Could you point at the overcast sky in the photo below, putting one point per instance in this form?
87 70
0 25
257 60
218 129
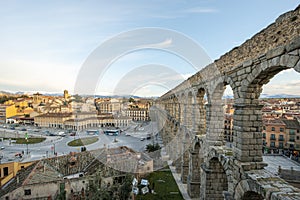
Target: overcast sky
49 46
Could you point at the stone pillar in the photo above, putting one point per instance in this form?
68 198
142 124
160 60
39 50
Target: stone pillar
214 124
193 181
213 180
185 166
185 160
179 151
247 140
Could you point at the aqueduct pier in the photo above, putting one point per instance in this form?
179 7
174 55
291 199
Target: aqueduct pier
193 131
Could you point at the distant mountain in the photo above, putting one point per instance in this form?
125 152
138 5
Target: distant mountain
5 92
276 96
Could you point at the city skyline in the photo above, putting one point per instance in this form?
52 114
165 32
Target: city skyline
45 45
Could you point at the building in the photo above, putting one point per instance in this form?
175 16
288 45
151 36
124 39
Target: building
66 94
7 111
74 176
293 134
80 120
228 128
274 134
109 105
138 114
52 120
10 170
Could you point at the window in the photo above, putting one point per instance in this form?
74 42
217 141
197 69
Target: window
281 138
264 143
280 145
264 135
273 137
27 192
272 144
281 129
297 137
273 128
292 132
5 171
264 128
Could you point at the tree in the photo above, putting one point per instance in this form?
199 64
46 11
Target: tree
131 100
152 147
125 188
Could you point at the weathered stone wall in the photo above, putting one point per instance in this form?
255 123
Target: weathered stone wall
282 31
246 69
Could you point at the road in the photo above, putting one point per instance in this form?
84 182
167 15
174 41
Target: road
131 138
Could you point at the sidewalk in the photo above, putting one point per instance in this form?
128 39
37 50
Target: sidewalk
182 187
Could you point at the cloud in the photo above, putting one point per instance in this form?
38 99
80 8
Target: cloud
161 45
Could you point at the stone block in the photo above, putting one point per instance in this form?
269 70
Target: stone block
274 61
295 44
292 60
275 52
297 67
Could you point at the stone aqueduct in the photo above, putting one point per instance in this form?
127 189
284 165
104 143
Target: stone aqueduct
193 131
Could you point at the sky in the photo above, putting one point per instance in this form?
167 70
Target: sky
139 47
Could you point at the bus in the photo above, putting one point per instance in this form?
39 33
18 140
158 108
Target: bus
92 132
111 132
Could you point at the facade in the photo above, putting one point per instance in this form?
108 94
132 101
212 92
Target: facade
274 134
10 170
228 128
138 114
109 105
7 111
293 134
80 120
281 134
52 120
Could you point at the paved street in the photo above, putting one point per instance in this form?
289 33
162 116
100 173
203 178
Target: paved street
131 137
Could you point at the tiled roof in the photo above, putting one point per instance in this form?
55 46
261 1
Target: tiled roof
17 181
291 124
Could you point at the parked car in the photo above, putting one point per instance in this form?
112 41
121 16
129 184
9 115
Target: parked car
73 134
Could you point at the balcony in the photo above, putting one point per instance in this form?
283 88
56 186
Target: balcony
272 138
292 140
281 139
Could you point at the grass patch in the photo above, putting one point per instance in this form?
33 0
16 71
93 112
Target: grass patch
29 141
83 141
165 186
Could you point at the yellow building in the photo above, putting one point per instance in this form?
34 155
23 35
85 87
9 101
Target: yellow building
9 170
7 111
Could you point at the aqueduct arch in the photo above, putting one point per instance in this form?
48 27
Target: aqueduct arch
240 171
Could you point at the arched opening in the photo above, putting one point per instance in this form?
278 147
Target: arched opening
216 180
216 109
250 195
280 125
228 115
193 182
248 124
